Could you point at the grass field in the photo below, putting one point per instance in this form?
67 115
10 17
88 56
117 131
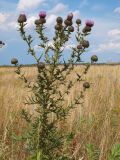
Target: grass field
96 123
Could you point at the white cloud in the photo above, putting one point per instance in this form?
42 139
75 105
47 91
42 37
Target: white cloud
114 34
30 21
51 20
59 8
3 17
117 10
28 4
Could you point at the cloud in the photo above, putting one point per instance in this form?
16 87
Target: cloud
27 4
117 10
60 7
114 34
3 17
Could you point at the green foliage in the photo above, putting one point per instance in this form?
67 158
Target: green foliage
115 152
92 152
44 139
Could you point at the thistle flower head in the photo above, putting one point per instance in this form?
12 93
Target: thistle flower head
89 23
70 16
94 58
85 43
86 85
14 61
71 28
78 21
22 18
59 20
42 14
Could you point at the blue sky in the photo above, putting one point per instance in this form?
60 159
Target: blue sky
104 39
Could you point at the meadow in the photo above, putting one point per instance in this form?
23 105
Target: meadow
96 123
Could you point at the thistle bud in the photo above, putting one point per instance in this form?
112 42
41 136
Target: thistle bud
71 28
94 58
79 46
58 27
70 16
86 85
86 29
14 61
42 14
68 22
85 44
41 66
37 22
89 23
59 20
78 21
22 18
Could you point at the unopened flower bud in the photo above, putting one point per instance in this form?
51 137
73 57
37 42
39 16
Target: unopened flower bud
85 43
86 29
58 27
86 85
79 46
22 18
71 28
59 20
14 61
68 22
78 21
94 58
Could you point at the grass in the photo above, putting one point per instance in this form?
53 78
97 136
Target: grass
96 123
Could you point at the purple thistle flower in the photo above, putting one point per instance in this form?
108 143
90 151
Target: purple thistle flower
70 16
89 23
42 14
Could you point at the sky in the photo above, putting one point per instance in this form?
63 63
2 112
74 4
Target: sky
104 38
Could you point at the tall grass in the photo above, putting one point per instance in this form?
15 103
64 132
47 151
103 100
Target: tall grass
96 123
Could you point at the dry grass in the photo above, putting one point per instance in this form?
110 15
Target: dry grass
96 122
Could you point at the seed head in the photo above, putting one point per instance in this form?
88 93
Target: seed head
59 20
78 21
71 28
89 23
14 61
85 43
86 85
42 14
22 18
94 58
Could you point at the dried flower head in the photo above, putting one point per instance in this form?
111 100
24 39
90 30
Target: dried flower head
42 14
14 61
78 21
94 58
89 23
86 85
22 18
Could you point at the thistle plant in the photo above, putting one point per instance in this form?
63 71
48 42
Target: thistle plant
44 138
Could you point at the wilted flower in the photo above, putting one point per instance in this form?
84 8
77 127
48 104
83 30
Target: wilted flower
42 14
94 58
89 23
70 16
86 85
22 18
14 61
